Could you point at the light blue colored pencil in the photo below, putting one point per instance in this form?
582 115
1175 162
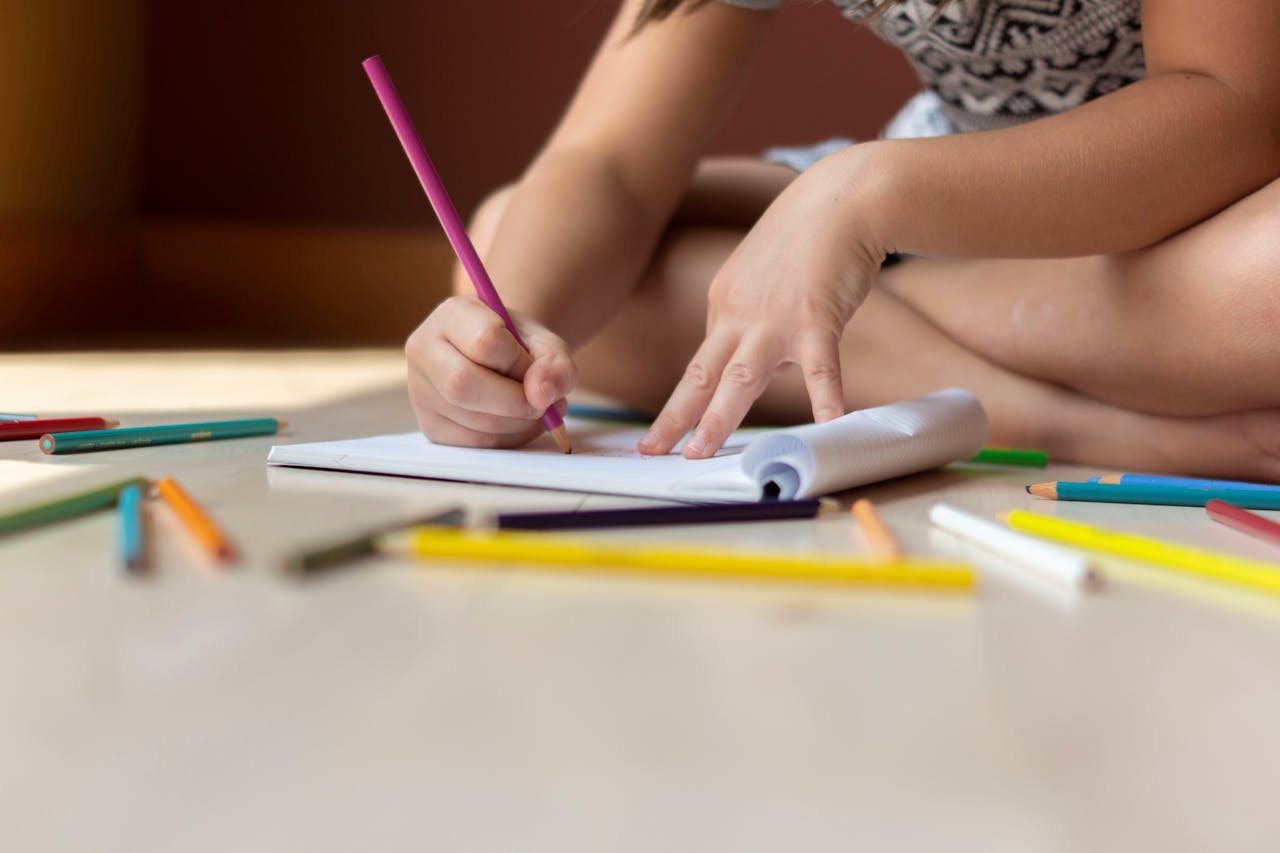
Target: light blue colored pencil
1184 482
1159 495
7 417
133 538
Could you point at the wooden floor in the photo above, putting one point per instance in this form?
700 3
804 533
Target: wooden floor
402 706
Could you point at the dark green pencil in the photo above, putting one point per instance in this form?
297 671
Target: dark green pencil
71 506
334 554
119 439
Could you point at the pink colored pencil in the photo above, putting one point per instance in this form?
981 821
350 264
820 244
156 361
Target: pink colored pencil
448 216
1241 519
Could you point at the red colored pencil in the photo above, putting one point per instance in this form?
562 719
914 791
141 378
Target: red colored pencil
35 429
1241 519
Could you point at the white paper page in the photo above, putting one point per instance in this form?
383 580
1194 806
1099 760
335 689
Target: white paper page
604 460
867 446
859 448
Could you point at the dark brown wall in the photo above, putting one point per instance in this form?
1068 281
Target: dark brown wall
261 111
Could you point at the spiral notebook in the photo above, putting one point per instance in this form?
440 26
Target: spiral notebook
799 462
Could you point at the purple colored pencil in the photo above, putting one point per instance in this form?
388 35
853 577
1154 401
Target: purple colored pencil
448 216
655 515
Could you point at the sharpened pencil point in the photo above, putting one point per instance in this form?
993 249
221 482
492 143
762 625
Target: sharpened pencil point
561 436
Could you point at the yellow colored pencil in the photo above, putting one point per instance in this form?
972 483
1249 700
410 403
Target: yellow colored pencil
1194 561
878 536
558 552
196 519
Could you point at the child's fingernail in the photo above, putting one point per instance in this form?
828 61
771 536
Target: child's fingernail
696 445
650 438
546 393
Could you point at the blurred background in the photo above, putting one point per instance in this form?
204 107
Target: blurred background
200 174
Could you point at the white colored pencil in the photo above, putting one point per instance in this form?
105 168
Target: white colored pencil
1060 565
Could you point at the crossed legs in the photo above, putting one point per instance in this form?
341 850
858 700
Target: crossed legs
1090 358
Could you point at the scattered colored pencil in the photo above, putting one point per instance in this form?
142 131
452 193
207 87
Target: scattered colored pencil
879 539
334 554
1241 519
64 508
605 413
119 439
1194 561
551 551
16 430
656 515
1059 565
6 416
1160 495
133 529
448 216
196 519
1010 456
1184 482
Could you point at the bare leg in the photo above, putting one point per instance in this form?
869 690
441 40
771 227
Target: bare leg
1186 327
890 351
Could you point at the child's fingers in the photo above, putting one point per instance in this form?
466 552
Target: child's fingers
551 377
466 385
425 395
741 384
479 334
442 430
690 398
820 365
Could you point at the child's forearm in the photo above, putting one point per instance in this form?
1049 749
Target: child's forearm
571 244
1121 172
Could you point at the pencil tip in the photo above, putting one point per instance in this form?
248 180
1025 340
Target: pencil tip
561 437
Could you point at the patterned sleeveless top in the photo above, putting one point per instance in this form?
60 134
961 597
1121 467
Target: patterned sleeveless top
996 63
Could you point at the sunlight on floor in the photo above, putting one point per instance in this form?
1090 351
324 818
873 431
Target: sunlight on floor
105 383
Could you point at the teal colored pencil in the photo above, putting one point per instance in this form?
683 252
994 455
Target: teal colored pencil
1162 495
133 534
119 439
81 503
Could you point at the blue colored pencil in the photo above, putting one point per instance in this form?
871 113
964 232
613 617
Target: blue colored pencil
133 538
606 413
1160 495
1184 482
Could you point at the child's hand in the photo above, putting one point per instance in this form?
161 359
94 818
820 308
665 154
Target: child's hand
784 297
472 385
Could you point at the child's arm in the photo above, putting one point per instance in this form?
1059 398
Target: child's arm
583 220
1118 173
581 224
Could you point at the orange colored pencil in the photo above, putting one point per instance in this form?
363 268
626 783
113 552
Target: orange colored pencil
202 527
879 539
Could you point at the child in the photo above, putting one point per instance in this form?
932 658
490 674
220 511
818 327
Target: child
1092 245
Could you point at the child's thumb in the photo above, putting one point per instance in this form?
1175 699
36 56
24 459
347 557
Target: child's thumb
551 377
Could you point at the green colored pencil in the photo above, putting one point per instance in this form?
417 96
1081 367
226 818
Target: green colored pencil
119 439
71 506
1010 456
1161 495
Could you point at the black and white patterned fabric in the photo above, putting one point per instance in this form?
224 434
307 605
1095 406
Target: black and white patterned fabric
997 63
